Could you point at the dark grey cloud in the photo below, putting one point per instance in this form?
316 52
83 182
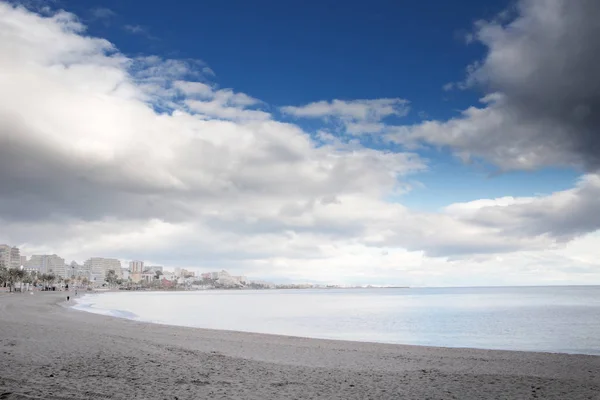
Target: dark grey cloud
541 79
546 63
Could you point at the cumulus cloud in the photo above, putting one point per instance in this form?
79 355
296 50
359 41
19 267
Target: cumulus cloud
102 154
82 139
358 116
542 91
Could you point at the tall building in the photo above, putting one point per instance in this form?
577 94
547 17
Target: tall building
136 266
10 257
78 270
136 269
99 266
24 260
62 271
4 255
15 257
46 264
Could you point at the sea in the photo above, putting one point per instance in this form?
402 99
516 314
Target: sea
560 319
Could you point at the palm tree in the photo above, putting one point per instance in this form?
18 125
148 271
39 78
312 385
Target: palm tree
21 274
14 275
34 277
111 277
47 279
29 277
3 275
51 278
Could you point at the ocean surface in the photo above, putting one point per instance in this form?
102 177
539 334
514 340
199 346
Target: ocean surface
552 319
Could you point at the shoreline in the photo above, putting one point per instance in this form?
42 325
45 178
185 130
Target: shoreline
51 350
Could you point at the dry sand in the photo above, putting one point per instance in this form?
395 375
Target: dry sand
50 351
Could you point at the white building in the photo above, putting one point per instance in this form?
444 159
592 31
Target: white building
10 256
224 278
15 257
78 271
99 267
154 268
148 275
4 255
168 275
47 263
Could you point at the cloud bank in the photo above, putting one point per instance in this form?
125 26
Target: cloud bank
106 154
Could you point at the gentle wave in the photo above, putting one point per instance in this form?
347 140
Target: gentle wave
86 303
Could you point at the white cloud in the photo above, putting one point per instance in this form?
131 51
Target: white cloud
449 86
102 13
135 29
223 103
89 167
358 116
89 145
208 71
194 89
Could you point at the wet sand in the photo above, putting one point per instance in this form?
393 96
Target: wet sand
49 351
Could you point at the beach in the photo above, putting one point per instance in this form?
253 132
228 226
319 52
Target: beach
50 351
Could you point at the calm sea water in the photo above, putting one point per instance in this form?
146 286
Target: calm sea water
554 319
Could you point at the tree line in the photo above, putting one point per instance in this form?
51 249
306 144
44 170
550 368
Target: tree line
10 277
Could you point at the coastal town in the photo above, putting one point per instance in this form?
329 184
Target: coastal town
50 272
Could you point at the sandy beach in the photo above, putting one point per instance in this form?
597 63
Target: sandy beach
50 351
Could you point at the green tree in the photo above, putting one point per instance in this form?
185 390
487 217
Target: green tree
34 277
29 277
48 279
111 277
3 275
12 276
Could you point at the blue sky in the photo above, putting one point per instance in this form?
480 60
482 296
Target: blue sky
306 141
286 54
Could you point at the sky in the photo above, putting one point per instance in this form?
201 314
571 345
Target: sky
380 142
